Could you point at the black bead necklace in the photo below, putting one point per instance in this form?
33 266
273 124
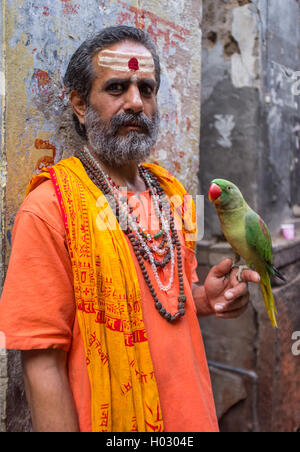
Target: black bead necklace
137 240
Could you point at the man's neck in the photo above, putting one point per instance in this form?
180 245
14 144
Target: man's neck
126 175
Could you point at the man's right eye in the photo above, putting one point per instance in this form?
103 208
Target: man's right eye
115 88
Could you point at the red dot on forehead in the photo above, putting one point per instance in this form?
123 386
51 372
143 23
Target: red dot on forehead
133 64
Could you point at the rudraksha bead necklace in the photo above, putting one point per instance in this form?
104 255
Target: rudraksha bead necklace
142 242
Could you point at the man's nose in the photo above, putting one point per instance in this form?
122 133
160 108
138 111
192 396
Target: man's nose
133 100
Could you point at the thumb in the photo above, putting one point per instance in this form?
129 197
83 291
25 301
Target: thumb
222 269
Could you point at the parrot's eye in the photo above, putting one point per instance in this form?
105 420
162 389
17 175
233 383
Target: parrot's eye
228 188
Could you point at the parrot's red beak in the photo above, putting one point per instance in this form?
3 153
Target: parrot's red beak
214 192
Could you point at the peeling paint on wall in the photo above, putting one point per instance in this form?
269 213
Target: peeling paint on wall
274 117
245 63
224 125
281 86
2 83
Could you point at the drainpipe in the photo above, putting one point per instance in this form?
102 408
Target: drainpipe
252 376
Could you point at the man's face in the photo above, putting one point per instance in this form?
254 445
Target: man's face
122 117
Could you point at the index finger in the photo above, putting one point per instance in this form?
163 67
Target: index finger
222 269
250 276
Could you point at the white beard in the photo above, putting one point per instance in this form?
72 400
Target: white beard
114 150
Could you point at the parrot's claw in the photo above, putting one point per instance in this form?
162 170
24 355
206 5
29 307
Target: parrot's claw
240 272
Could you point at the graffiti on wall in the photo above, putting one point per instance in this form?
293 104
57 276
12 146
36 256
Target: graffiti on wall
158 27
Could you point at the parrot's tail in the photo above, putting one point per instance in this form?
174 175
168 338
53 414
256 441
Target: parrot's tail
266 289
276 272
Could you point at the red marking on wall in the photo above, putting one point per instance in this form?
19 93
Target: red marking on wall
159 28
70 8
170 117
44 144
188 124
177 165
46 11
47 160
42 78
63 93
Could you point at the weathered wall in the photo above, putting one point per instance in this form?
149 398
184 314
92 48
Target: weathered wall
280 163
230 140
3 355
250 116
39 38
250 135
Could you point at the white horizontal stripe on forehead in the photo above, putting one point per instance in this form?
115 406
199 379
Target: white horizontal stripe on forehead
142 62
120 61
124 68
127 54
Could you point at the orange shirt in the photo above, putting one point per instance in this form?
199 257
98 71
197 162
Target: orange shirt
37 311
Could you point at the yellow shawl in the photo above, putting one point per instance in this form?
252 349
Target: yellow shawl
124 395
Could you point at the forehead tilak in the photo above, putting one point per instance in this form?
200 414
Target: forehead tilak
126 61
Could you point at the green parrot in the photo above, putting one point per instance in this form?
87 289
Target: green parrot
248 235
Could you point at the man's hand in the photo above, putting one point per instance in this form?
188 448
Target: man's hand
227 296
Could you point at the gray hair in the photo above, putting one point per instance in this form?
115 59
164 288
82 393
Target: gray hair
80 72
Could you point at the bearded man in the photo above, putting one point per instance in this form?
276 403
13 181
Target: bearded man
100 293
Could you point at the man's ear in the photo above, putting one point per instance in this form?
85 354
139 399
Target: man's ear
79 105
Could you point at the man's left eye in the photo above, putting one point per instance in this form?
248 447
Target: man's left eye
146 90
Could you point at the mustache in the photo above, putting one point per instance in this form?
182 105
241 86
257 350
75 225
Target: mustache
132 119
116 150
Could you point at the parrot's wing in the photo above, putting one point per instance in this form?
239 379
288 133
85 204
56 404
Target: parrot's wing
258 236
